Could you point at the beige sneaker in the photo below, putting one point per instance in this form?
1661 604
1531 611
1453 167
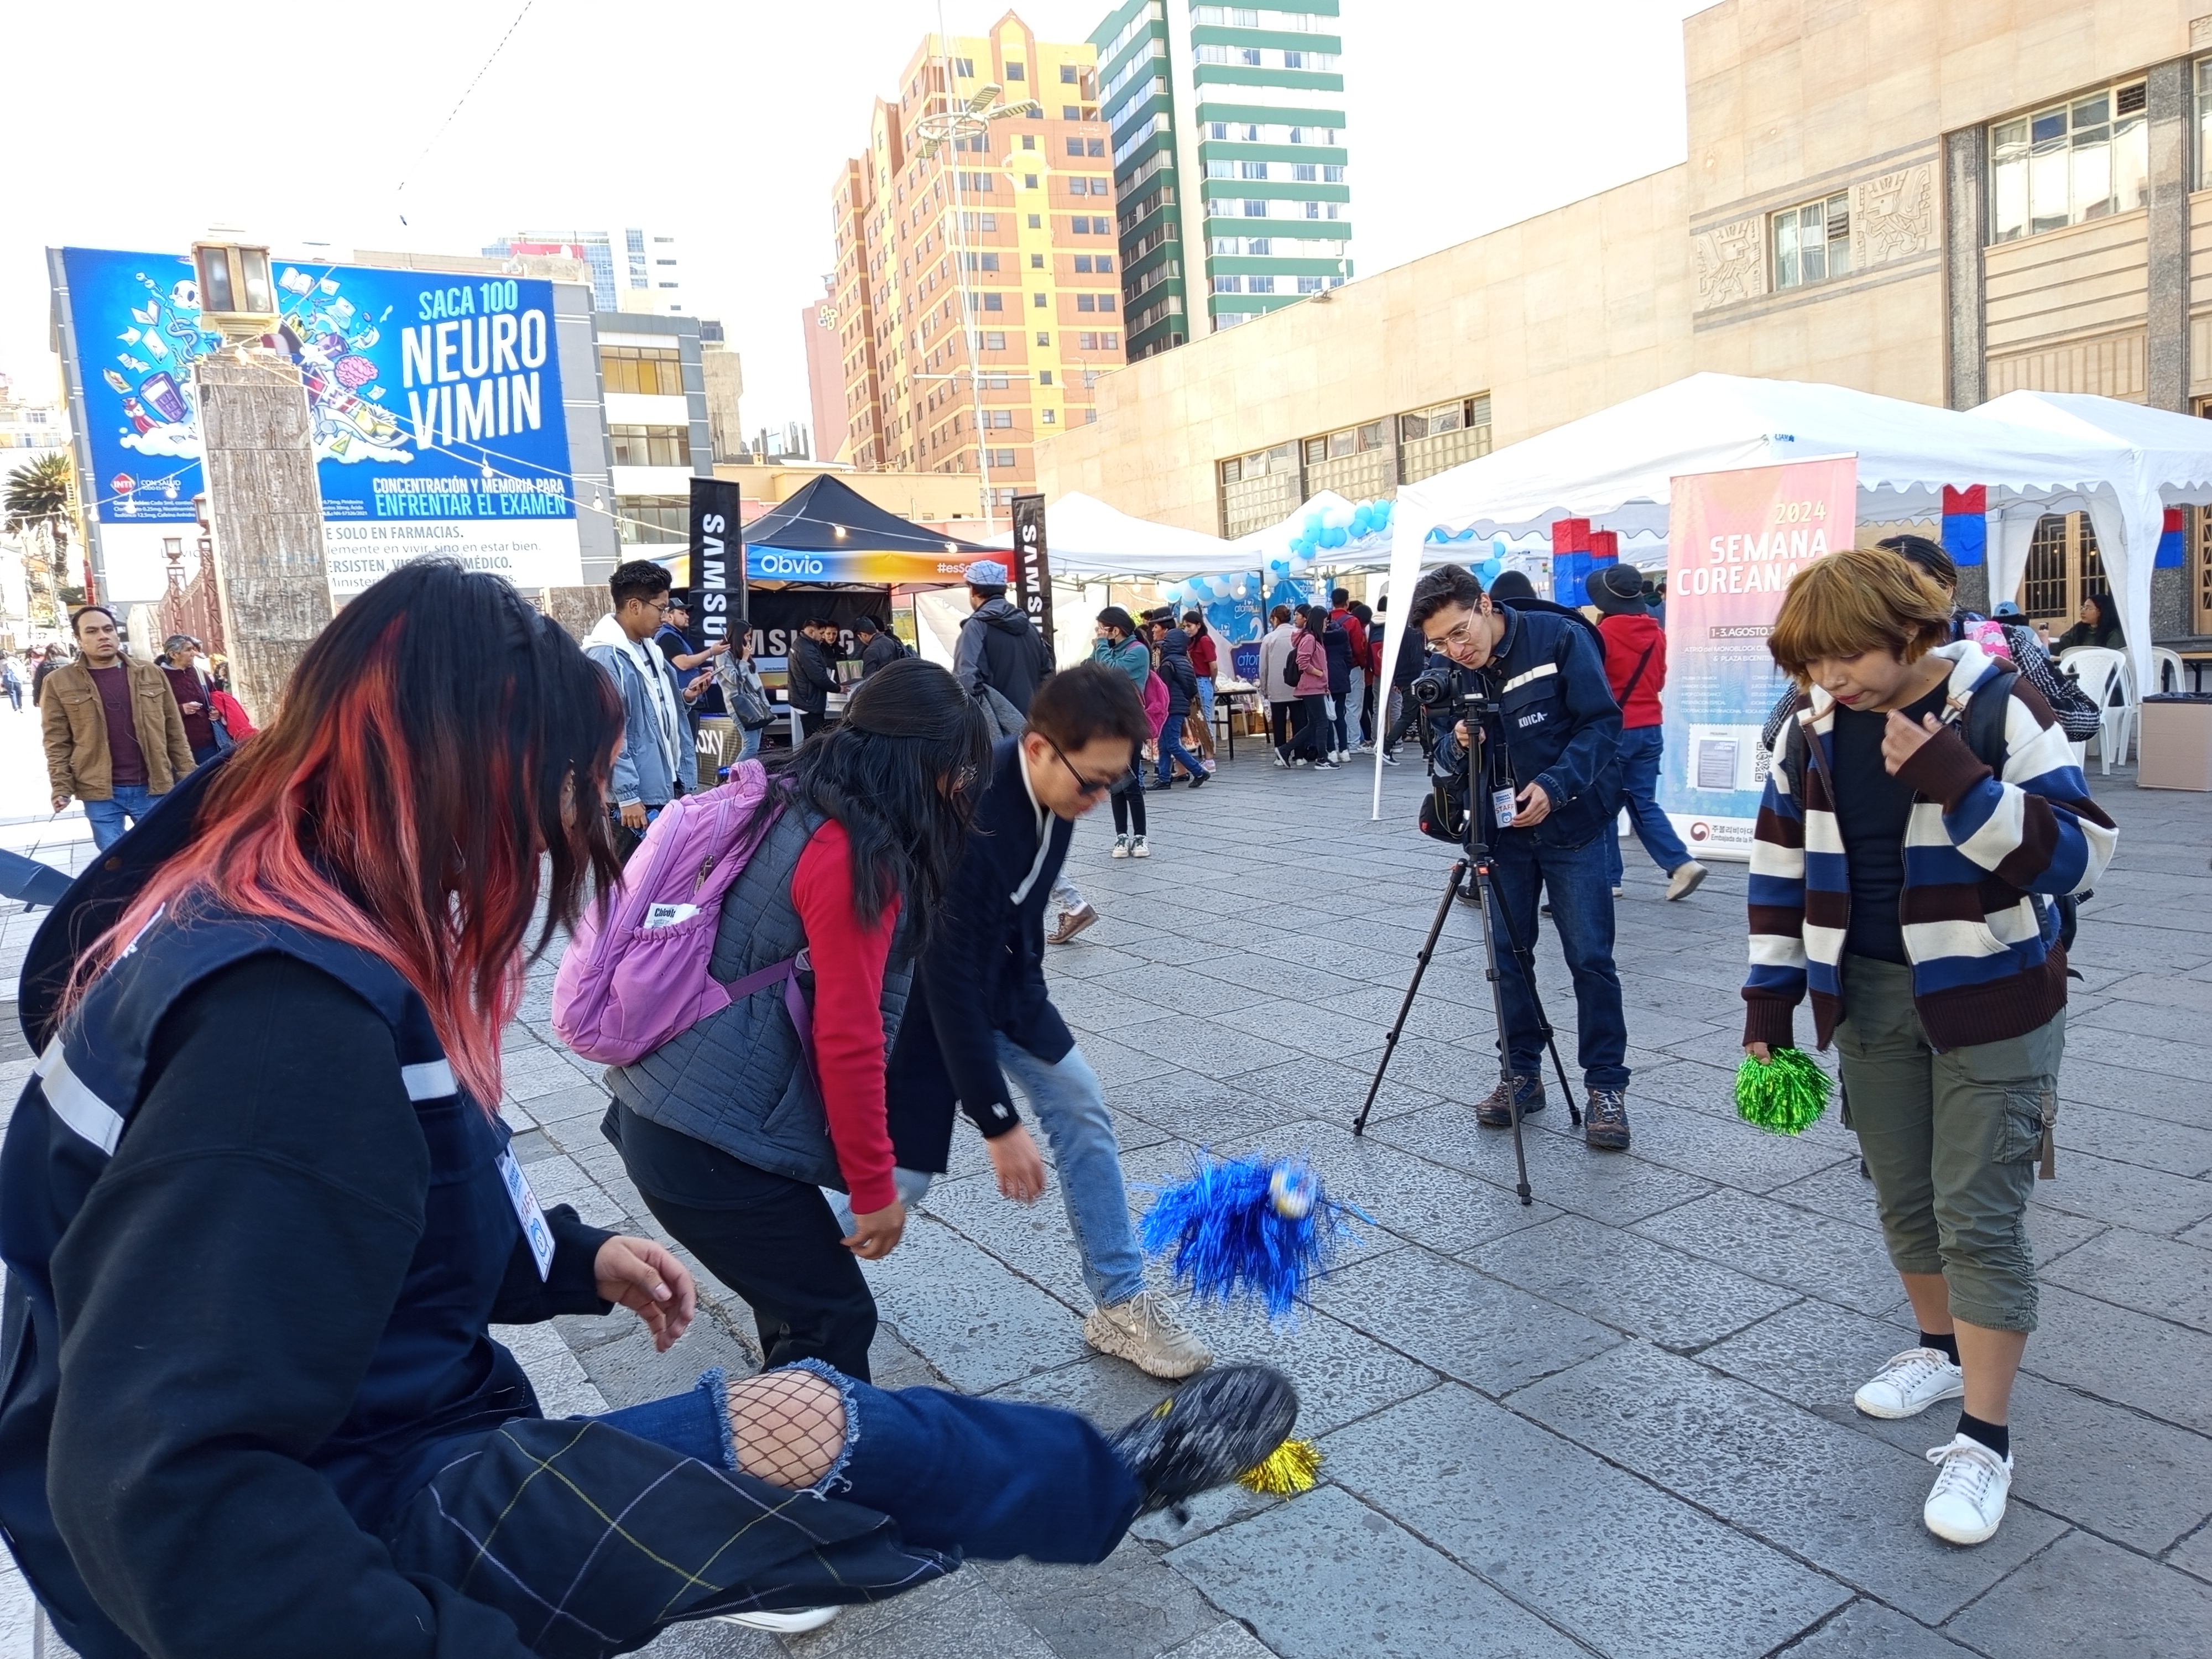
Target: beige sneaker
1684 882
1072 922
1144 1331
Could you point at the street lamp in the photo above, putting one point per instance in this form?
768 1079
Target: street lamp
954 124
237 298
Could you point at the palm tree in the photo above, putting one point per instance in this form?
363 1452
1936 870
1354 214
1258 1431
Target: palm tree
37 505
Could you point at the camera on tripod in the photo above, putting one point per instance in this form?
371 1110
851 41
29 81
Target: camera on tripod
1440 686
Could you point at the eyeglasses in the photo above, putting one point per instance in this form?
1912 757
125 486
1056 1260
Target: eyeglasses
1089 786
1461 638
664 606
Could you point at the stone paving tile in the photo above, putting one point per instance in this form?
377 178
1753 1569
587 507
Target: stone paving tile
2155 1366
973 1320
1635 1286
2177 1149
2086 1599
1342 1374
1835 1498
2156 1276
1701 1135
958 1617
1814 1254
1226 1640
1128 1607
1325 1577
1867 1630
1511 1502
1486 1334
2126 1194
2194 1554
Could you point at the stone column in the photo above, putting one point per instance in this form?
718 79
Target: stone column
1966 228
2171 118
265 514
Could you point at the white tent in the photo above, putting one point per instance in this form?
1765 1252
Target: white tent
2170 464
1089 538
1614 467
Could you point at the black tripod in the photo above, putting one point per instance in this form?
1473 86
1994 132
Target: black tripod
1476 869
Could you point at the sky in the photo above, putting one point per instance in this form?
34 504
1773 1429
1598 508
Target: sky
399 126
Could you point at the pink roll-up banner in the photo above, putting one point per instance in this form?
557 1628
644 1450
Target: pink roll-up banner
1733 541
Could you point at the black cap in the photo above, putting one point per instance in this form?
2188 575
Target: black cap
1617 590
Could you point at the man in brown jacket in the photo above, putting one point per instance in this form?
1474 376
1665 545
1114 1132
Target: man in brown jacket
115 737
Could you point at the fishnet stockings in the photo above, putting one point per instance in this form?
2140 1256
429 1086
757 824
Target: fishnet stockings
790 1427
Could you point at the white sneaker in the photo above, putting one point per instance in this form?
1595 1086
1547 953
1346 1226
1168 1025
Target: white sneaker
1138 849
1972 1483
1121 847
1912 1382
1620 892
1144 1331
1685 879
788 1624
1279 761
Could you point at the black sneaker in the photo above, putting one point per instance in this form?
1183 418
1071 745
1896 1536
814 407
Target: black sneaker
1497 1112
1198 780
1216 1426
1605 1121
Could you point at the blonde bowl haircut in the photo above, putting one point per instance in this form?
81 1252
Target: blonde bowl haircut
1855 600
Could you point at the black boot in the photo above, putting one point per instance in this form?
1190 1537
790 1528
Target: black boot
1219 1425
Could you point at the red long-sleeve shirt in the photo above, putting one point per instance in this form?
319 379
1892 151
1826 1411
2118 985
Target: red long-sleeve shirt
848 1019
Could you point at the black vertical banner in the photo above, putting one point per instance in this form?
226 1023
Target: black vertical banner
1032 571
718 555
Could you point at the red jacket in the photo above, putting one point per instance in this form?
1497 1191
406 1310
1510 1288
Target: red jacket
1630 641
1202 657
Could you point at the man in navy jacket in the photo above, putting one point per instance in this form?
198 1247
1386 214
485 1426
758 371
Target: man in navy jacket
980 1011
1549 785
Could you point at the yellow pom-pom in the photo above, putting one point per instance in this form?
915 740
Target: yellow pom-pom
1288 1469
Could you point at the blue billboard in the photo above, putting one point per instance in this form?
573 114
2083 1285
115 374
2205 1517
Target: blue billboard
436 402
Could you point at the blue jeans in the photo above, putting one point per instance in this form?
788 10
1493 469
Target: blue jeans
749 744
131 801
1205 699
1639 783
1070 1104
1172 750
1574 878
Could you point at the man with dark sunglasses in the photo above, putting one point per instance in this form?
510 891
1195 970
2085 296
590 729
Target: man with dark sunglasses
979 1011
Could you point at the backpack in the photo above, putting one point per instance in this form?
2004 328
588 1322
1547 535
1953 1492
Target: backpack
637 971
1983 729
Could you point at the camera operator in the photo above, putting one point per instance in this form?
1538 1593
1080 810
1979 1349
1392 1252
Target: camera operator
1549 782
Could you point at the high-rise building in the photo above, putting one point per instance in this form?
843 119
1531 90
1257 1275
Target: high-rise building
724 372
977 292
825 379
632 269
1230 163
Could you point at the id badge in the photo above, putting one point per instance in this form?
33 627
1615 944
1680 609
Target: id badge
526 1211
1502 807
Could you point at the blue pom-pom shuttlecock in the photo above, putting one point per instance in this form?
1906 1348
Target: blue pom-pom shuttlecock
1249 1229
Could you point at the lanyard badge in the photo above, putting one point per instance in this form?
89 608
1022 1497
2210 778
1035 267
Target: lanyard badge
526 1211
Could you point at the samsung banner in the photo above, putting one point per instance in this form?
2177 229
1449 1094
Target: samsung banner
1733 540
435 400
1032 571
718 562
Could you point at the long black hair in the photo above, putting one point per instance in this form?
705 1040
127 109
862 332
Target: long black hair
902 773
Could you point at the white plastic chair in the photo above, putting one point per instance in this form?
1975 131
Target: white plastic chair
2106 676
2166 671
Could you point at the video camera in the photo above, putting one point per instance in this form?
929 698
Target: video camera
1440 687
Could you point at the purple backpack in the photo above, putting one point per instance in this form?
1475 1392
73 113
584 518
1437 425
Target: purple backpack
637 971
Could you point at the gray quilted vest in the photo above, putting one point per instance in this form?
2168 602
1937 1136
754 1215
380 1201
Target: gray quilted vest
734 1080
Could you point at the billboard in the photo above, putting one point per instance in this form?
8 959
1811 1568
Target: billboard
1733 540
434 401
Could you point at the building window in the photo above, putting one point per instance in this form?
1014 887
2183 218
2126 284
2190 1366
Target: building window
1095 147
1442 436
1212 54
1067 74
1044 377
993 302
1043 338
2072 162
1083 263
964 68
1221 169
2064 567
651 446
1332 175
1217 129
979 262
1304 173
1229 285
652 521
1249 57
1255 210
994 340
1812 243
1037 262
1261 285
1051 416
1252 169
657 371
1016 71
1310 284
1028 140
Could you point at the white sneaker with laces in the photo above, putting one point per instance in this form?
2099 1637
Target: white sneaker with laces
1971 1485
1121 847
1144 1331
1139 848
787 1624
1910 1383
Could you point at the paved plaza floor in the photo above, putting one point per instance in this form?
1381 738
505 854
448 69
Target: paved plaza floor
1616 1422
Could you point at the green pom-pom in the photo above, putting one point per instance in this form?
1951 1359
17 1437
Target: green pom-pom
1784 1096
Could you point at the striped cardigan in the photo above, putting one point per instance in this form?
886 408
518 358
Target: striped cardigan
1986 964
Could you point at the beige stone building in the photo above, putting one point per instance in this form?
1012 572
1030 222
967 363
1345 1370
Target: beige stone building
1935 202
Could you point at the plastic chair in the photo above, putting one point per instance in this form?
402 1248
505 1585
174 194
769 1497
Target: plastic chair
2106 676
2167 670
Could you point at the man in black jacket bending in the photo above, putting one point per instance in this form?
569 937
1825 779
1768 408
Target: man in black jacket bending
999 646
979 1011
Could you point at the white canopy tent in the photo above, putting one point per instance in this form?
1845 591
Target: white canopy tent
1089 538
1615 468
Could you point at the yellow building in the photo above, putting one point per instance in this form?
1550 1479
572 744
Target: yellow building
1932 201
977 297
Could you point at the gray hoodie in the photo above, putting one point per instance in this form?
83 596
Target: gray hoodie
656 737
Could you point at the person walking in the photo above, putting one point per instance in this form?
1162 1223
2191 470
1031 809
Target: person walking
750 707
1337 646
195 694
11 680
1550 777
730 1129
1205 658
115 736
979 1012
999 647
42 664
1636 668
276 1064
1277 677
1366 666
1342 614
1117 646
1931 934
1312 662
811 675
877 648
652 765
1172 663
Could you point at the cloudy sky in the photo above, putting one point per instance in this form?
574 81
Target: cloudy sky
138 125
